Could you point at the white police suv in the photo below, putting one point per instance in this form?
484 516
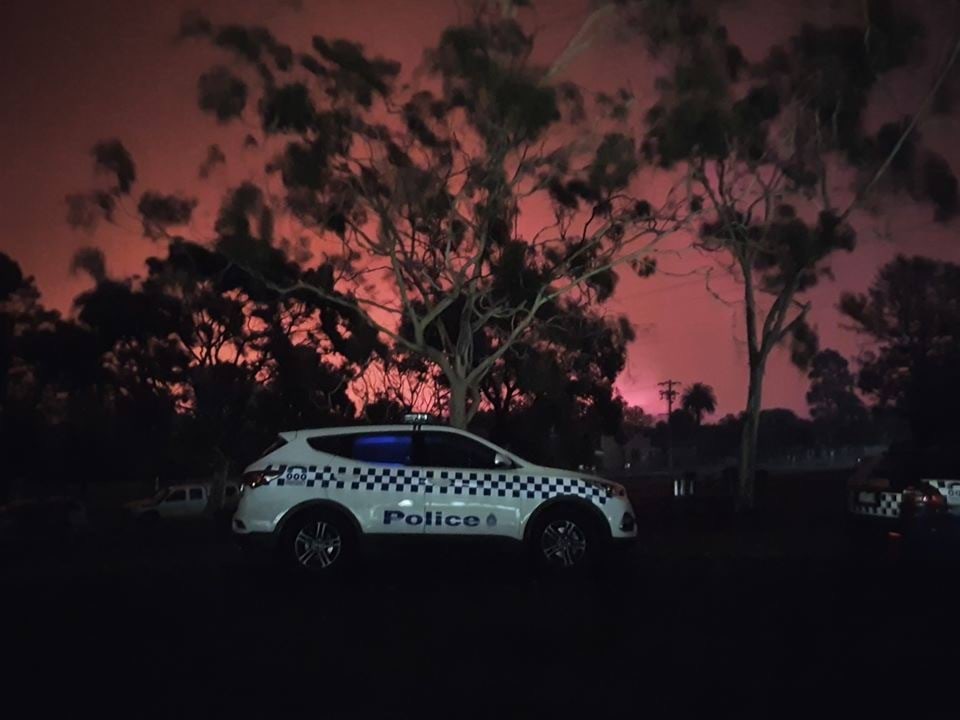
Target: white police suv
316 494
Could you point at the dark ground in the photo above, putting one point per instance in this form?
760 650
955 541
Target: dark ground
784 619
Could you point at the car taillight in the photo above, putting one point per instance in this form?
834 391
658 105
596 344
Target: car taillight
256 478
929 497
937 500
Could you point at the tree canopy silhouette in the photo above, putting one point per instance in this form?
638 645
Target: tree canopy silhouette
699 399
911 316
410 198
761 144
838 412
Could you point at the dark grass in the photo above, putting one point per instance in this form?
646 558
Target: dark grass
701 618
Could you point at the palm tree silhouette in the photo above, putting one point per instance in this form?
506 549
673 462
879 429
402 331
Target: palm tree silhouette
699 400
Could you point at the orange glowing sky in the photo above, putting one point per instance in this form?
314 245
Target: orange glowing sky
77 72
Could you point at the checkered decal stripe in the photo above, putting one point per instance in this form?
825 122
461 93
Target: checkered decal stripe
943 486
950 489
477 484
888 505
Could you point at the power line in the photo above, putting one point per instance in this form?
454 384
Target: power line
669 394
664 288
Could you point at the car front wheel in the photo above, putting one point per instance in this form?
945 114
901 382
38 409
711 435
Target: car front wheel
566 541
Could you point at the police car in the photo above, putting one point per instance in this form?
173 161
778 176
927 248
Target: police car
912 490
316 494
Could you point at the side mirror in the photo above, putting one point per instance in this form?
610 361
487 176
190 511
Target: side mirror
502 461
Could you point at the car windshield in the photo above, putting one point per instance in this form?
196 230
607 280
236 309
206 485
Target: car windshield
159 496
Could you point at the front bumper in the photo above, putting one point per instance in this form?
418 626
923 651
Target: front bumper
621 519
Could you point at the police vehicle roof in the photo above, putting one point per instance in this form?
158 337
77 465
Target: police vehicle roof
342 429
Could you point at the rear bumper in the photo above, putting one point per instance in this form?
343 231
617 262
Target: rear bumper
906 524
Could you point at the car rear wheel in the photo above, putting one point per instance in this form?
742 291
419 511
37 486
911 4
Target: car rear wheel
566 541
318 543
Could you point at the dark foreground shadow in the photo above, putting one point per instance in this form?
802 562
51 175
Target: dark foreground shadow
184 625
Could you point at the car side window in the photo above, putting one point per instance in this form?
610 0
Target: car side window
196 494
339 445
443 449
176 496
384 448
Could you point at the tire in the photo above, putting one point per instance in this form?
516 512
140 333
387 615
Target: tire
318 543
567 540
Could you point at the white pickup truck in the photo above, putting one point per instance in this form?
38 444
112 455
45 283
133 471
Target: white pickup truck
187 500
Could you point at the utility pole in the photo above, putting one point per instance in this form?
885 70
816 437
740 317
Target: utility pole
669 394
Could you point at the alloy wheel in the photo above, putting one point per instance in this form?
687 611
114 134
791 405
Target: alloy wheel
563 543
317 545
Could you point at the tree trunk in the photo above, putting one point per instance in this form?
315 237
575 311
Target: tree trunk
746 496
218 487
457 404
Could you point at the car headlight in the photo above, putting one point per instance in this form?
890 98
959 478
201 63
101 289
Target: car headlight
615 489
